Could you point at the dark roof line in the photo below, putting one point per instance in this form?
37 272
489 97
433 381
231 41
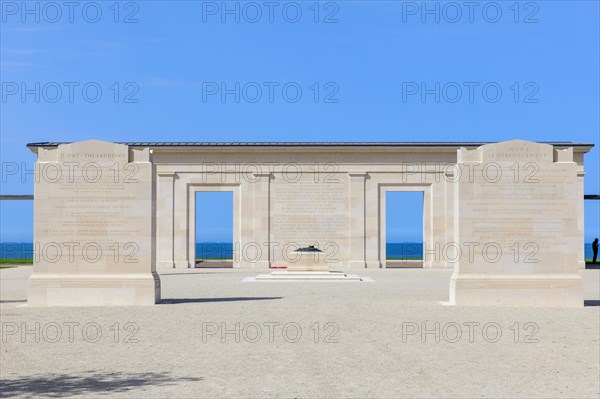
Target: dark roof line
309 144
30 197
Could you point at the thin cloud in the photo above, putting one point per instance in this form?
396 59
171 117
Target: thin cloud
17 65
20 51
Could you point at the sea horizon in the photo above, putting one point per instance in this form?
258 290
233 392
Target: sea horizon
224 250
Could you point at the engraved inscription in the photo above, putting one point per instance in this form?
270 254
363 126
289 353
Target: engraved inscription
94 213
530 222
309 211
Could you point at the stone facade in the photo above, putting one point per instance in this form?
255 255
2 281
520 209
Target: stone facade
94 227
517 226
332 196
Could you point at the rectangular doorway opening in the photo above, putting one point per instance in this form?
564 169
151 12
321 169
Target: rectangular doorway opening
214 229
404 229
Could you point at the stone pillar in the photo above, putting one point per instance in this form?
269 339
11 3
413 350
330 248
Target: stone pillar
580 220
431 241
262 248
449 180
357 220
382 228
517 227
164 219
180 222
191 227
94 229
372 233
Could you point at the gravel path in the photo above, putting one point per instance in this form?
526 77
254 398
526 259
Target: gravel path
358 340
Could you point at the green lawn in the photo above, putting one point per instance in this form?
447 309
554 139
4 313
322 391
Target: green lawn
16 261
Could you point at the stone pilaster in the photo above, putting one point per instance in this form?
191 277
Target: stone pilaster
580 220
261 256
357 220
165 220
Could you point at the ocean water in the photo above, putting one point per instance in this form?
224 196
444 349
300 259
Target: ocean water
223 250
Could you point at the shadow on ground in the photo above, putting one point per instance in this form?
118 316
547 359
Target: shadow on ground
591 302
590 265
172 301
213 265
162 273
64 385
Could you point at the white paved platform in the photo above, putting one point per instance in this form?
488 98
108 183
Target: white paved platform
286 275
357 341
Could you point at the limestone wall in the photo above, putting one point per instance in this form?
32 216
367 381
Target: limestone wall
517 226
106 215
288 200
94 227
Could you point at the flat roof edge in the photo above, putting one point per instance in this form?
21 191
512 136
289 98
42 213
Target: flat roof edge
309 144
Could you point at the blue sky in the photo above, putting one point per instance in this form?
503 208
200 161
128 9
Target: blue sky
214 217
164 58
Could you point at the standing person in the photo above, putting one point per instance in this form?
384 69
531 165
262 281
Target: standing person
595 250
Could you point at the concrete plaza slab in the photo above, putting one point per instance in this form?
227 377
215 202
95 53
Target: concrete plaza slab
386 339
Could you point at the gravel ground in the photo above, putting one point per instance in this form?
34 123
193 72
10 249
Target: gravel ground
358 340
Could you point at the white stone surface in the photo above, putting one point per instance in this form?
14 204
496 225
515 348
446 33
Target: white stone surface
290 197
516 225
314 276
542 353
287 197
94 227
307 261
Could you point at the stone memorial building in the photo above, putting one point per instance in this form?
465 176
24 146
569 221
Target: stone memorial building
507 217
